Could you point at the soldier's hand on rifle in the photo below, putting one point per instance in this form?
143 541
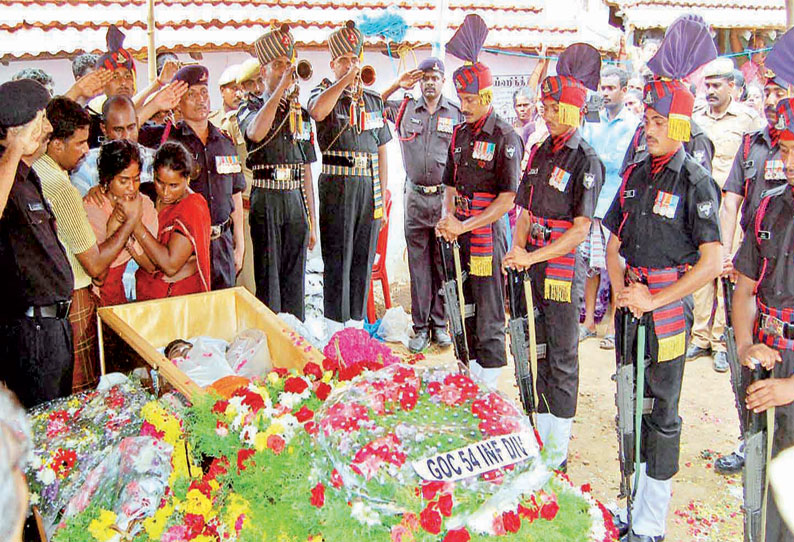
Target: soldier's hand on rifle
450 228
637 298
518 258
770 392
760 353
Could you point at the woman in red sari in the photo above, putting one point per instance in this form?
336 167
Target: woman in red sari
119 170
181 250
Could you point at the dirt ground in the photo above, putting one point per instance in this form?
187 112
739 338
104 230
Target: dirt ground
705 505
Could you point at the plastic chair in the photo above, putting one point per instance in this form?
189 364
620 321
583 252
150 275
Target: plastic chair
379 264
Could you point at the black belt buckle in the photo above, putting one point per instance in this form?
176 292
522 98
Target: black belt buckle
463 204
539 232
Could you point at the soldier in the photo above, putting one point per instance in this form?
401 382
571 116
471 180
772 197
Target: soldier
481 174
756 169
280 141
558 197
218 178
424 127
763 308
664 224
352 134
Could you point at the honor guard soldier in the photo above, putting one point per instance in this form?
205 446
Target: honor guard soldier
219 176
352 134
280 141
757 167
480 178
763 314
558 197
35 335
424 127
664 224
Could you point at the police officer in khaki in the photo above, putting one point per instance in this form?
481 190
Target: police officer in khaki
424 127
725 121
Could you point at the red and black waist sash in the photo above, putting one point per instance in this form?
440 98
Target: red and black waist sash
775 327
481 240
668 321
559 271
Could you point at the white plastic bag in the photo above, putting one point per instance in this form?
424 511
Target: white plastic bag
396 326
249 355
205 363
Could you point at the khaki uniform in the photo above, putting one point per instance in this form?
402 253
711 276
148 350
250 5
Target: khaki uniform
726 133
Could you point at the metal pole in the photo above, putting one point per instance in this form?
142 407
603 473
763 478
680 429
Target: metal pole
152 50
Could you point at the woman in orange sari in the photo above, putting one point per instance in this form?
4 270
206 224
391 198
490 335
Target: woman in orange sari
119 170
181 250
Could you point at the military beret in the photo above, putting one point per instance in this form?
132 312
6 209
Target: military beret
20 101
192 75
431 64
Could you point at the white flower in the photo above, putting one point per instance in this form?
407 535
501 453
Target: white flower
35 499
46 476
364 514
248 434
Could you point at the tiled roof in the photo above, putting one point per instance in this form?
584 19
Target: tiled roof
764 14
56 28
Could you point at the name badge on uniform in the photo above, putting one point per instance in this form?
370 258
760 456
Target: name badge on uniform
225 165
559 179
665 204
774 170
445 125
373 120
483 151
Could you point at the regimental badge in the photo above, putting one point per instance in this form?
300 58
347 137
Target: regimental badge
699 156
510 151
373 120
589 180
546 87
458 84
705 209
774 170
559 179
225 165
665 204
781 123
641 148
445 125
483 151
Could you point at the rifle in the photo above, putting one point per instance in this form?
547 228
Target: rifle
522 338
453 297
732 354
755 431
630 409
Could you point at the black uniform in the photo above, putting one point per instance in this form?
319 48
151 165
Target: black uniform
279 219
35 335
484 163
756 168
661 221
766 255
351 203
424 142
556 188
219 175
699 147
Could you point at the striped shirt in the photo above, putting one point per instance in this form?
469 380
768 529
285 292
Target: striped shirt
74 230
